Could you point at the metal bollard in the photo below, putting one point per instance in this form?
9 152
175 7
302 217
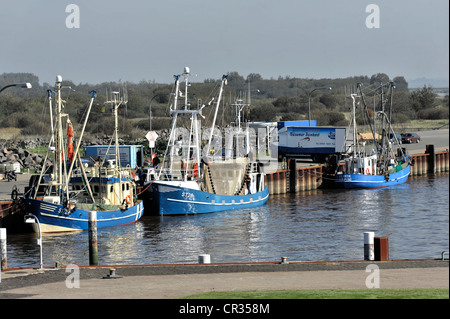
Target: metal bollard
112 274
369 250
204 259
93 251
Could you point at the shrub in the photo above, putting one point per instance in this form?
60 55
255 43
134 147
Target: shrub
433 114
37 128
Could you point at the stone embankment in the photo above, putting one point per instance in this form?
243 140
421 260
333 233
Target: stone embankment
20 155
15 156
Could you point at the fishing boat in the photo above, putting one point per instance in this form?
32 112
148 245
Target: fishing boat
194 182
67 194
375 167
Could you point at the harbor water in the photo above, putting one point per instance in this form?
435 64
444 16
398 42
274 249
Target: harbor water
323 224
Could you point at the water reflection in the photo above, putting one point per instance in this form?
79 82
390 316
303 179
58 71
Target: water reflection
315 225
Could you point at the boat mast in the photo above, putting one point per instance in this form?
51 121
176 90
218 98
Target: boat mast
174 114
50 148
389 121
116 101
60 160
239 107
194 133
82 131
49 92
383 129
224 82
366 112
186 74
391 87
59 153
355 141
116 129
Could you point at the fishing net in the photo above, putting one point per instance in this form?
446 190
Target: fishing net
225 177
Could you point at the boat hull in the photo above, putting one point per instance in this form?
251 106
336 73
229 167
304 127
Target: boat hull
175 200
371 181
57 218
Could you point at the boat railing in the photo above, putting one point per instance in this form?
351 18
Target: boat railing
178 175
96 171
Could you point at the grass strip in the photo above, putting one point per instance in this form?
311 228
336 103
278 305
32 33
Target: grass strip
422 293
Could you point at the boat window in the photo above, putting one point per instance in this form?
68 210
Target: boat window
95 190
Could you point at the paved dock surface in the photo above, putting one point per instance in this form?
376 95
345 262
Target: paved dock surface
177 281
6 187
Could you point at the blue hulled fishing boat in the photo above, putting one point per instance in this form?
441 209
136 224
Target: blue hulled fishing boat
189 182
67 194
175 200
396 175
376 167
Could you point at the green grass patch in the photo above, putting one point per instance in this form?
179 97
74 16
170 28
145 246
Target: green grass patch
425 293
41 150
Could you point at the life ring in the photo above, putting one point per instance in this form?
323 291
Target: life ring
367 171
128 199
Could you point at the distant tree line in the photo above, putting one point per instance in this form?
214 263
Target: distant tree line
281 99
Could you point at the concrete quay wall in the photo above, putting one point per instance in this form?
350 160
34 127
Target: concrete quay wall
295 179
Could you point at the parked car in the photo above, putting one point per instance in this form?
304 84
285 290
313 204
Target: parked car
392 137
410 138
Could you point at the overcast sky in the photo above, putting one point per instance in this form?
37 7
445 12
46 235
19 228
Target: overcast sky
152 40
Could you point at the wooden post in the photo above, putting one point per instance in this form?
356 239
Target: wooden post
292 175
3 249
93 251
308 179
446 157
283 182
439 162
431 159
419 163
268 182
424 164
301 175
